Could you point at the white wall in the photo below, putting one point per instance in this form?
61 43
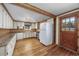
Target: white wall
57 30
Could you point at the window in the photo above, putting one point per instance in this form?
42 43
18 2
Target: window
68 24
27 25
63 24
67 21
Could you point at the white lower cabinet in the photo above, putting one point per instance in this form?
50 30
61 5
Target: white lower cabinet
34 34
29 34
9 48
3 51
19 36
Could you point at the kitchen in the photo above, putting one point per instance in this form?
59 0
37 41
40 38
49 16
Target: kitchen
12 30
28 30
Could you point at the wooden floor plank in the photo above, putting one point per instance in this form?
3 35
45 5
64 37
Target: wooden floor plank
33 47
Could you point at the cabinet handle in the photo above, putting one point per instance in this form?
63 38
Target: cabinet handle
7 53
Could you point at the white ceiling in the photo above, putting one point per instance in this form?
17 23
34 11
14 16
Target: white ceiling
56 8
22 14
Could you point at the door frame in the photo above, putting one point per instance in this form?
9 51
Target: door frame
54 31
66 16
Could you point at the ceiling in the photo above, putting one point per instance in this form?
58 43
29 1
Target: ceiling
22 14
56 8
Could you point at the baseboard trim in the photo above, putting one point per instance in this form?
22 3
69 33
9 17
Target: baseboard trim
68 49
29 37
26 38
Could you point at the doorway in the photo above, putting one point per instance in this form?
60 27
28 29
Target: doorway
68 32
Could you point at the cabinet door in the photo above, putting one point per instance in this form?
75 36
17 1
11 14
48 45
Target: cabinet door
4 19
15 25
25 34
0 16
20 36
7 21
34 34
11 23
10 46
2 51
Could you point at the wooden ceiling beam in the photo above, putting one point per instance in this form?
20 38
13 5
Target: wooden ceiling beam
34 8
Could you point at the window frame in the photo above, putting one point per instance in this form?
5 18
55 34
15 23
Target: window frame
67 26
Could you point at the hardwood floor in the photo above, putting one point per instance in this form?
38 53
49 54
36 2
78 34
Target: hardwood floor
32 47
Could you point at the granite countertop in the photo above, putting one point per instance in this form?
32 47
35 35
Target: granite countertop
22 30
6 39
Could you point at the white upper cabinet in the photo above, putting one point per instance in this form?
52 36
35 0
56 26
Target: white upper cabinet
10 22
21 24
15 25
34 25
5 19
0 16
18 24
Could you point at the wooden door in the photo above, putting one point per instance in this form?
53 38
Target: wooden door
68 33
